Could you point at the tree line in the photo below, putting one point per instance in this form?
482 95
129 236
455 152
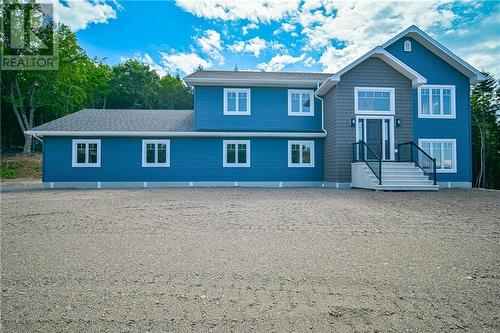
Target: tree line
33 97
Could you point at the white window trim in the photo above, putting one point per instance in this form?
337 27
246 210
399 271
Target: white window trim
430 115
224 154
407 46
74 163
237 113
377 89
155 164
391 133
300 165
301 113
453 153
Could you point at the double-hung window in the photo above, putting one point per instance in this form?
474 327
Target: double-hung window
86 153
236 153
436 101
443 150
300 102
371 100
236 101
300 153
155 153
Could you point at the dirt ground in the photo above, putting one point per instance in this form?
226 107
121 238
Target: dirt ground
267 260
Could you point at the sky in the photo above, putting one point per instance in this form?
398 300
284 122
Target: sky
274 35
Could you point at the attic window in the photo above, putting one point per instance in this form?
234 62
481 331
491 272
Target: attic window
407 46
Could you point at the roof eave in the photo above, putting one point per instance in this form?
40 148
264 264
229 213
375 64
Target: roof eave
252 82
176 134
377 52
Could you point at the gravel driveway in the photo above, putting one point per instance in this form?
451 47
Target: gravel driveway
250 260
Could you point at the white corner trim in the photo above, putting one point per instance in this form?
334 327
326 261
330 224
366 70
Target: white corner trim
301 113
74 162
237 112
392 92
155 164
440 50
453 114
453 153
301 164
237 164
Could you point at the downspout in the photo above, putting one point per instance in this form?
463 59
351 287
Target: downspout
322 110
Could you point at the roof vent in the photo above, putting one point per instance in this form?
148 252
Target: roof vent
407 46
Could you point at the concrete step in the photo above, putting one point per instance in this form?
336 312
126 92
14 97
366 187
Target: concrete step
407 182
407 187
400 177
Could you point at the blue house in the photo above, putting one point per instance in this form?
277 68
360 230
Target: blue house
398 118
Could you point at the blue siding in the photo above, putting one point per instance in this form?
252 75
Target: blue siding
269 112
437 71
191 159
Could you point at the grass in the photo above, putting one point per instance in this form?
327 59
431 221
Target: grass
20 166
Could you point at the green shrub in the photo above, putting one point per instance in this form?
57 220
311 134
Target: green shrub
9 173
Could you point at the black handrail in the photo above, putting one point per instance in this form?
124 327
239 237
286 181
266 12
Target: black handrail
359 154
429 171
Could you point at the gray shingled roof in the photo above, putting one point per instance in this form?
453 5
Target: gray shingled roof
123 120
209 74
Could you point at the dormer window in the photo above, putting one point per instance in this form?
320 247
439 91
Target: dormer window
407 46
236 101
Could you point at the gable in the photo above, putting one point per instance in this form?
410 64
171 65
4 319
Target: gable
424 41
433 67
377 53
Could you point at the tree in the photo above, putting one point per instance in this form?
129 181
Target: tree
486 132
174 94
22 87
133 85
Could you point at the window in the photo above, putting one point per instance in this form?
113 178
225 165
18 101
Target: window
300 153
236 153
443 150
236 101
407 46
436 102
374 100
155 153
300 103
86 153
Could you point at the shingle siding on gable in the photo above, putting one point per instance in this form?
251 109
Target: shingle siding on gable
191 159
437 71
269 112
339 109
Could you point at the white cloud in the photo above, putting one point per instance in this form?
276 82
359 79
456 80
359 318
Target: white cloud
279 62
254 10
250 26
254 45
361 25
148 60
285 27
79 14
184 62
210 44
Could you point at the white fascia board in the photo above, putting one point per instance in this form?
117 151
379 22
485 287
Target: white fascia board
252 82
378 52
180 134
327 85
440 50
